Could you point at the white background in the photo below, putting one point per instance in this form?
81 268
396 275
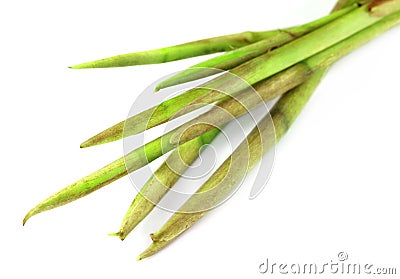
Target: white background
335 185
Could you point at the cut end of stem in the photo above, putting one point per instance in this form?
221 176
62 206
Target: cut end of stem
123 234
120 234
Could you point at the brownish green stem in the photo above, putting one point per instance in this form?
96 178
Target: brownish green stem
154 149
183 104
132 161
160 183
154 190
252 71
283 115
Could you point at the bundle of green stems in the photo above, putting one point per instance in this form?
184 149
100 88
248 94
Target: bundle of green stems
286 63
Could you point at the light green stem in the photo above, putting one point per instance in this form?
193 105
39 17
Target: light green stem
252 71
117 169
182 51
155 188
147 119
163 112
291 53
160 182
284 113
141 156
238 56
247 100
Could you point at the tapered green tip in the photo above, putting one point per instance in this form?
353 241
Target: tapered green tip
147 253
25 220
80 66
88 65
154 247
111 134
87 143
31 213
98 140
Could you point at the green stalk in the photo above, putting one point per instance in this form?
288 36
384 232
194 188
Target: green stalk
160 183
283 115
145 120
291 53
341 4
252 72
164 178
179 105
134 160
238 56
150 151
247 100
200 47
141 156
182 51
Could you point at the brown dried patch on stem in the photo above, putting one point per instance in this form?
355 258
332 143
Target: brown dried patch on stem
381 8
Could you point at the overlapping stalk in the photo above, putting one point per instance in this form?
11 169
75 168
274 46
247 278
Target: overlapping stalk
294 67
211 45
283 114
252 71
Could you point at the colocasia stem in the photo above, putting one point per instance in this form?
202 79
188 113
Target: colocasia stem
289 63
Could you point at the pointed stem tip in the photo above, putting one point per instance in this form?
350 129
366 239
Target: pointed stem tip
31 213
154 247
